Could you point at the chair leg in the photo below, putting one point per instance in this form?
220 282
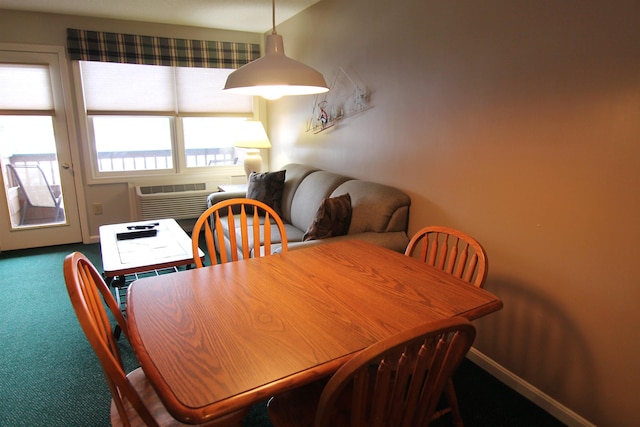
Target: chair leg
452 399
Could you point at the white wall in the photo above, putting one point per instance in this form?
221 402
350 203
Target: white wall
519 123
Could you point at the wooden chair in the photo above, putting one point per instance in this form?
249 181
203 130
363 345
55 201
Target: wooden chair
395 382
134 401
462 256
452 251
238 217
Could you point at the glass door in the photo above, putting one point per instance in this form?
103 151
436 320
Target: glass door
39 206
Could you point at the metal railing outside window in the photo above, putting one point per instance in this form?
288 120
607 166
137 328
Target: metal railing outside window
132 160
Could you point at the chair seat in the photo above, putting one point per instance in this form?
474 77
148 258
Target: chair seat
142 385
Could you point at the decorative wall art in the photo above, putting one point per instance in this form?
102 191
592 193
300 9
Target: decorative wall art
344 99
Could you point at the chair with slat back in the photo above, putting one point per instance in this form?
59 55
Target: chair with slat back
238 217
134 401
460 255
395 382
452 251
36 190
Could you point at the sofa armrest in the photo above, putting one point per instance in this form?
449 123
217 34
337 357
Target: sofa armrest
220 196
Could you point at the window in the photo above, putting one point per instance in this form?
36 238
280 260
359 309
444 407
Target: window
203 133
127 143
149 119
26 126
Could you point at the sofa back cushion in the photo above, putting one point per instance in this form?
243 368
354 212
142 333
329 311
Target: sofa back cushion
375 207
311 191
295 174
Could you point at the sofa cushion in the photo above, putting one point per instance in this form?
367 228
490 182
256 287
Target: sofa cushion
296 172
294 234
316 187
332 218
375 207
267 188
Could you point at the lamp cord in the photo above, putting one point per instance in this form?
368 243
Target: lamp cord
273 16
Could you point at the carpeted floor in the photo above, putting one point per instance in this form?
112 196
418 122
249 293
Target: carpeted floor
49 375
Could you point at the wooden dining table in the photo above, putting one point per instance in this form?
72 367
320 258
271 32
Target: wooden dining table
218 339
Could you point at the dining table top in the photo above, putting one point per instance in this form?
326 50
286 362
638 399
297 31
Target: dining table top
221 338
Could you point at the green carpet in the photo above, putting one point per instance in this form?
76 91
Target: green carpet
49 375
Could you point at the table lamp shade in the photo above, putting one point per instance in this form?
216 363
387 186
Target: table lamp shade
252 137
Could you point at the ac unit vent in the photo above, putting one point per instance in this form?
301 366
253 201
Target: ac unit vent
173 188
178 201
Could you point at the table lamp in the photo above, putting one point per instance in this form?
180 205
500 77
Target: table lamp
252 137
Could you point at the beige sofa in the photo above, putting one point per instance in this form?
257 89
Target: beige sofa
379 213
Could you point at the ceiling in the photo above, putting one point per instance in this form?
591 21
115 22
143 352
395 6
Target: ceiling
242 15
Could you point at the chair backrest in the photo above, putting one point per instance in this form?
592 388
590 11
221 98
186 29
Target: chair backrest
34 185
240 217
397 381
87 289
452 251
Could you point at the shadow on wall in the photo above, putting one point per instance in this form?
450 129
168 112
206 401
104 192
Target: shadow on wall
532 337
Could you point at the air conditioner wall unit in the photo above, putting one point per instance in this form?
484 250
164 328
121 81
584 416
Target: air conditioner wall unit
178 201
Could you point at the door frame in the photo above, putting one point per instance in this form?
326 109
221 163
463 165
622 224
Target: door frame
78 202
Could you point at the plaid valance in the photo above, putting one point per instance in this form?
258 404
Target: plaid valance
134 49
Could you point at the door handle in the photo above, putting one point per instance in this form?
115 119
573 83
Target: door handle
65 165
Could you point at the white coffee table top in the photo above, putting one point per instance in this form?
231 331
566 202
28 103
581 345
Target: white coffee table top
170 247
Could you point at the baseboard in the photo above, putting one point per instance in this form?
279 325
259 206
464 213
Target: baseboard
527 390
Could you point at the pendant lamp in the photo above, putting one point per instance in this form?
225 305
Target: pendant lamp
275 75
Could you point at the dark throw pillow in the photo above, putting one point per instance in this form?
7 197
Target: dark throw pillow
332 219
267 188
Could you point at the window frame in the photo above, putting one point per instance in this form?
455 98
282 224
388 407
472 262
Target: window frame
179 172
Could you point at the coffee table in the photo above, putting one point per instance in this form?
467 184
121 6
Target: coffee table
126 260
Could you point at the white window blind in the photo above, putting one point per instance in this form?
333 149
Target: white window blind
200 90
164 119
131 87
126 87
25 87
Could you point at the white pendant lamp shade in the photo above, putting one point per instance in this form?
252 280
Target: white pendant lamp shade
275 75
